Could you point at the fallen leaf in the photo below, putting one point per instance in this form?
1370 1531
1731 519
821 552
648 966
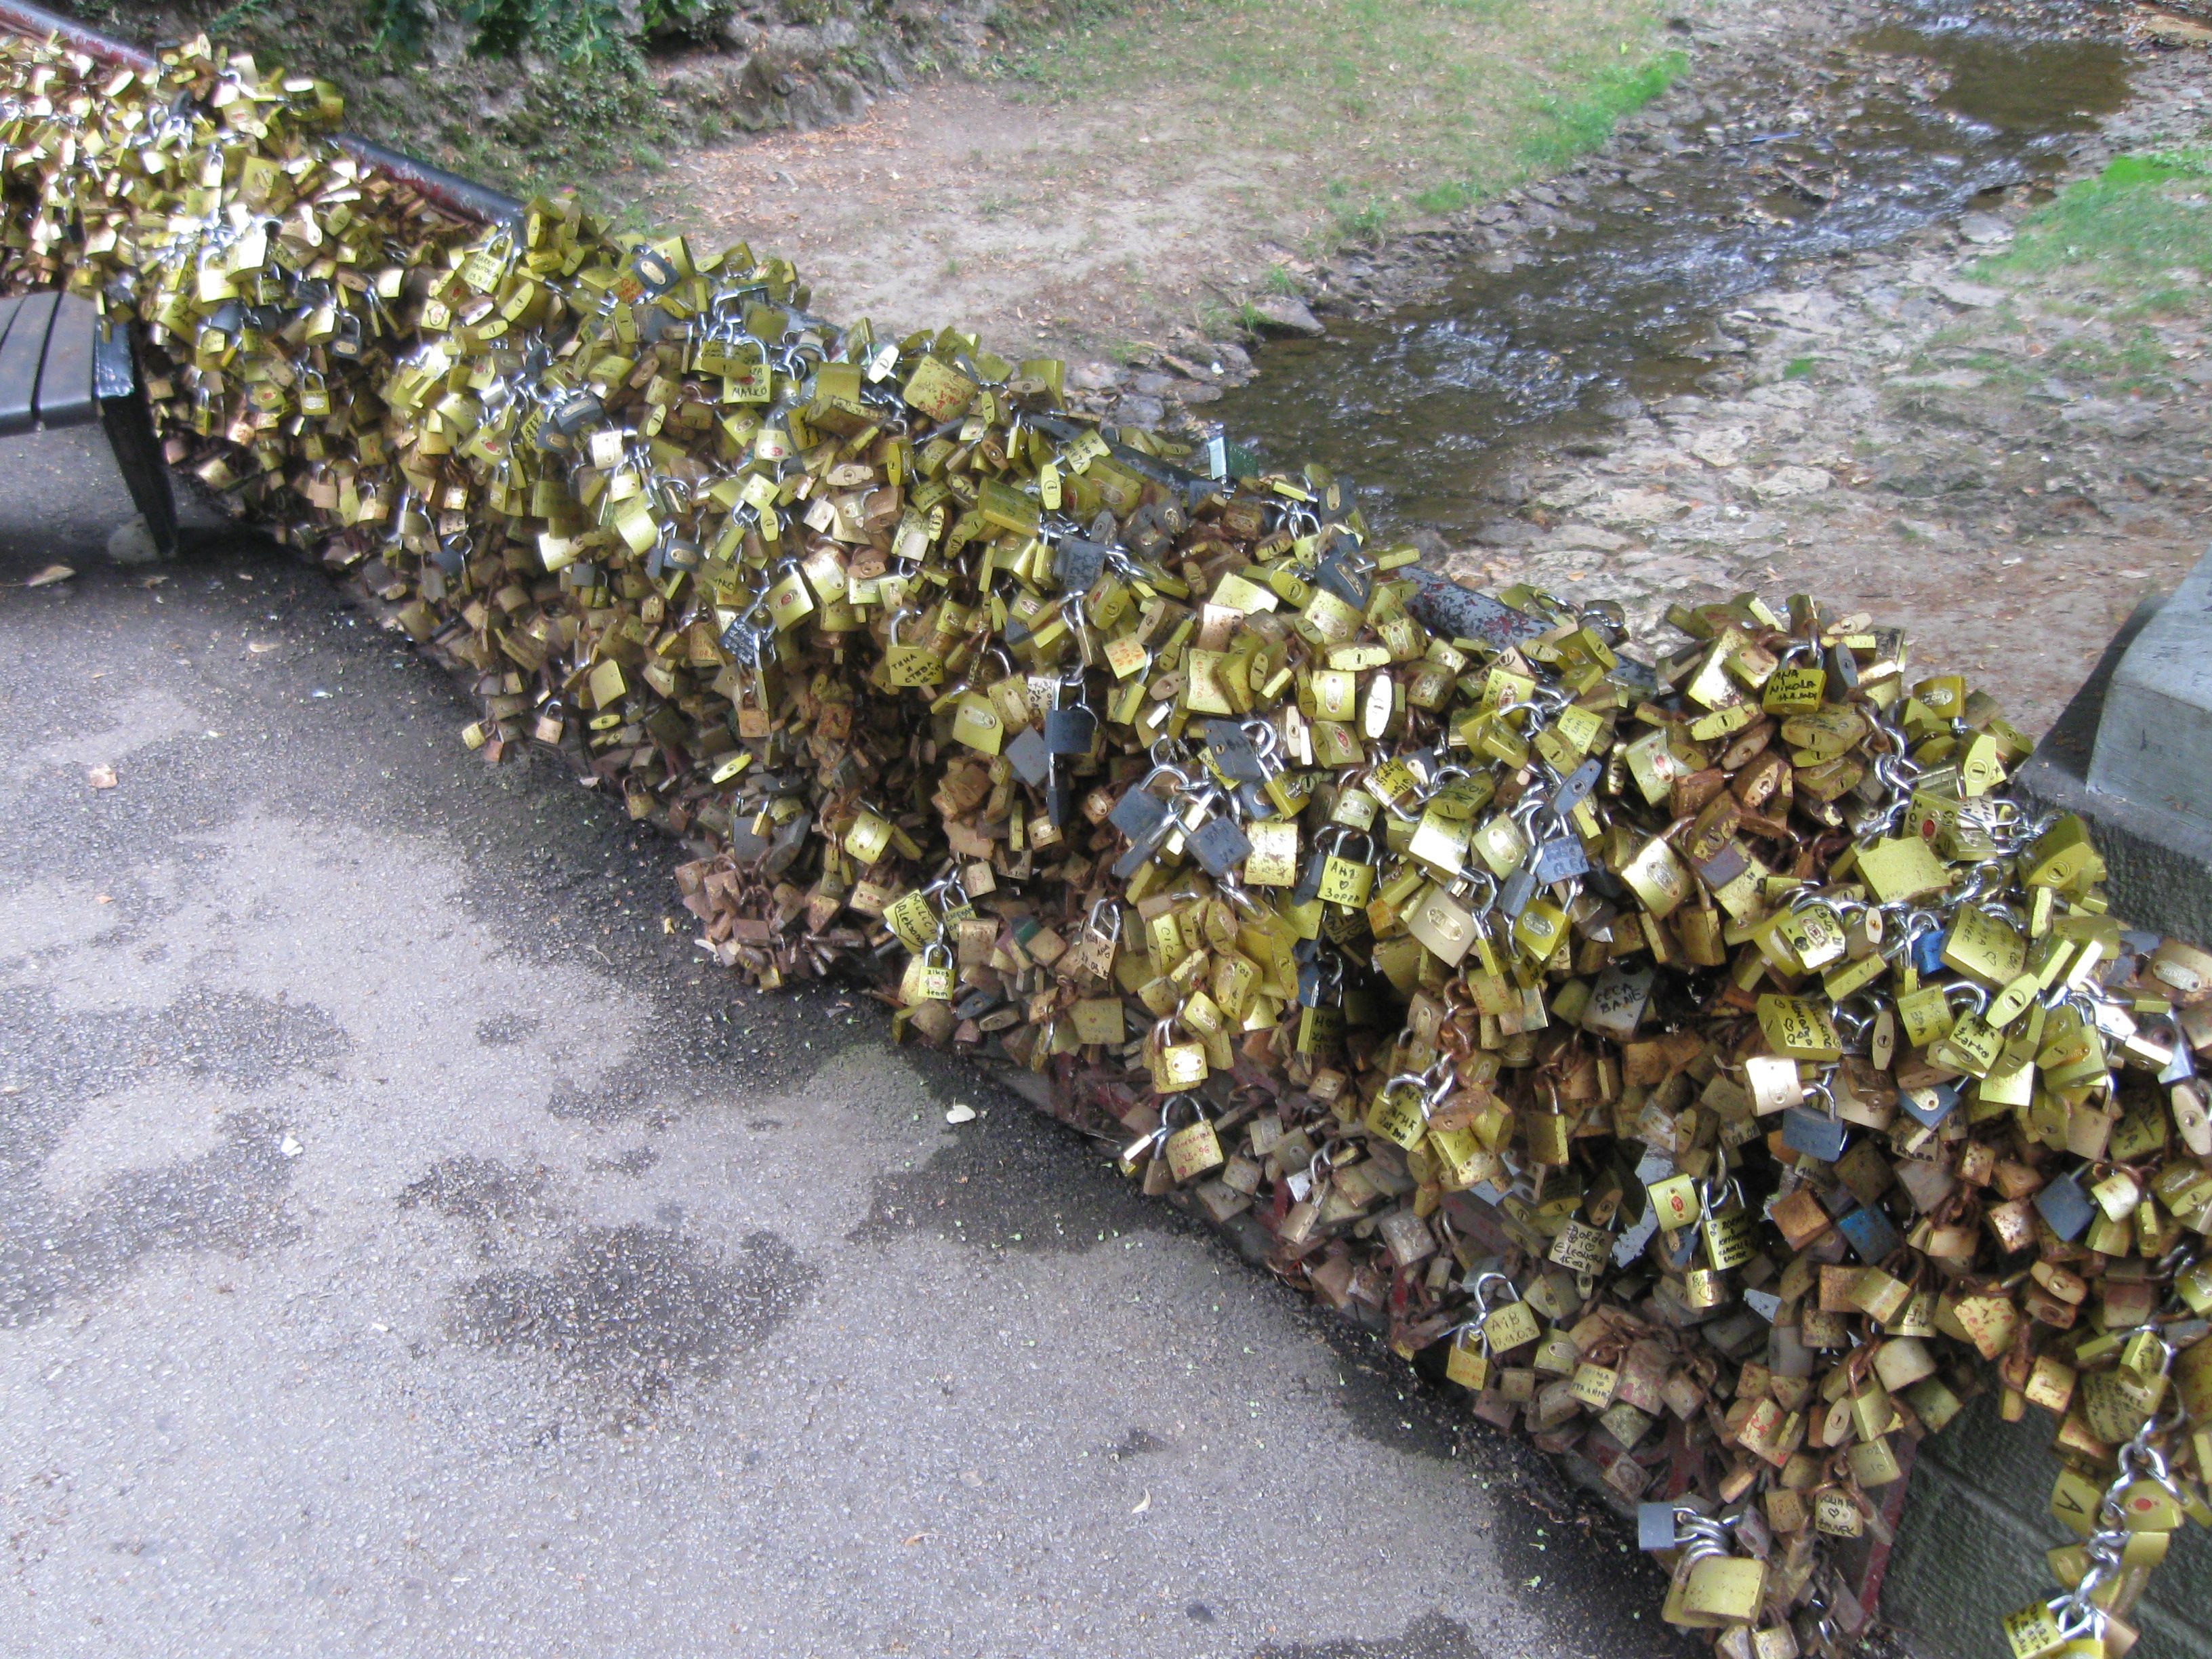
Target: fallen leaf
960 1112
261 648
1143 1504
51 573
101 777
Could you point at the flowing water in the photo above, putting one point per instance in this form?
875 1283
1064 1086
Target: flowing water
1416 406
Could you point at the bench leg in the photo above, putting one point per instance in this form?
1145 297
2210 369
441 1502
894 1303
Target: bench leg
129 425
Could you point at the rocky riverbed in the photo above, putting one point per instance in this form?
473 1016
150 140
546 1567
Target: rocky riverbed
2005 460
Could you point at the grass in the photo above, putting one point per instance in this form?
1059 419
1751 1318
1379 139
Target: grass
1407 106
2116 254
2124 232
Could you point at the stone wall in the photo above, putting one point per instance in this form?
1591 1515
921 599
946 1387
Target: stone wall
1970 1549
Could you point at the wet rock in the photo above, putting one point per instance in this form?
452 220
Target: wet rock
1570 491
2170 31
1971 295
1721 447
1585 537
1506 532
1140 411
1636 507
1787 480
2122 421
739 34
1285 315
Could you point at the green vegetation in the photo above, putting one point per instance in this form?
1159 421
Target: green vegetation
1410 106
586 31
2125 257
2127 232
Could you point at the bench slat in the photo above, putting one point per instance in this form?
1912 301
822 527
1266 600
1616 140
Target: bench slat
20 353
65 391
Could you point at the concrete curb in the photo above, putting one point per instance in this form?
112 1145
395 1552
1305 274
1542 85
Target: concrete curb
2161 859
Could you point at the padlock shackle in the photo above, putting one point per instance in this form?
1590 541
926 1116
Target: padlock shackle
1821 1088
1976 994
1183 1098
1480 1288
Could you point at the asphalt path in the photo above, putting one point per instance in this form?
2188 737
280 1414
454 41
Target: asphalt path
407 1247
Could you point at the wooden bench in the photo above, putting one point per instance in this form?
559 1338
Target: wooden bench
61 366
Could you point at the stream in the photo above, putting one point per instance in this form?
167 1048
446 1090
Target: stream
1909 122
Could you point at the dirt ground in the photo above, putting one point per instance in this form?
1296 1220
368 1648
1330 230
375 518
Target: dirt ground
1101 202
957 202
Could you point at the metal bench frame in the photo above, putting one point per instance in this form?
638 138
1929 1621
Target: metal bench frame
61 366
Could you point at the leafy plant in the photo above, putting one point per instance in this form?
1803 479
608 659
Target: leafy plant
231 16
586 31
575 31
398 26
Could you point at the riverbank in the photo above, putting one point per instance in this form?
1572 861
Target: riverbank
1875 404
1993 431
1169 181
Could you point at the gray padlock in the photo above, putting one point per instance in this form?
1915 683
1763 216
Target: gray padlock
1031 756
1232 752
1140 815
1559 859
1069 731
1077 563
1219 846
1655 1526
656 272
742 643
1816 1134
2065 1208
1723 867
1519 888
1929 1106
1337 576
1575 787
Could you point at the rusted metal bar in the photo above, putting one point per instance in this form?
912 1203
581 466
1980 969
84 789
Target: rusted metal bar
449 190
